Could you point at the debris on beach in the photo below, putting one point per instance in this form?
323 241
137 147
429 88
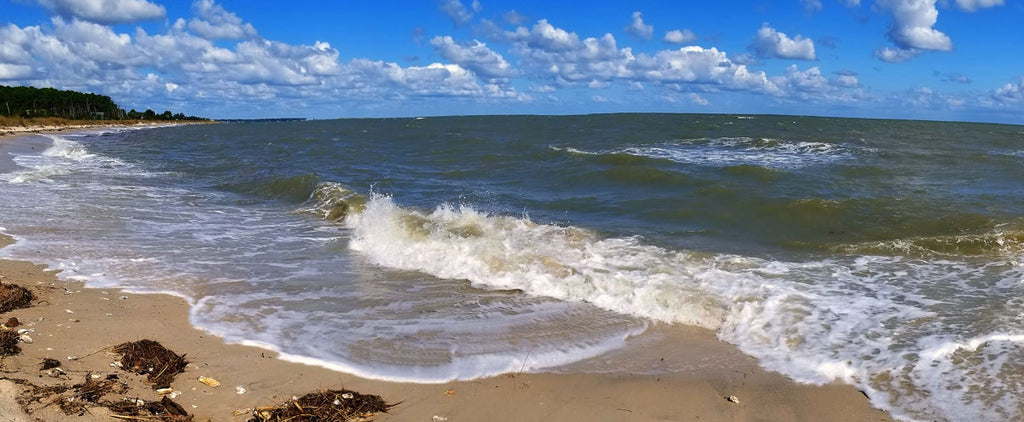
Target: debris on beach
150 358
324 406
9 343
209 381
77 399
733 399
12 322
49 363
72 400
165 410
13 296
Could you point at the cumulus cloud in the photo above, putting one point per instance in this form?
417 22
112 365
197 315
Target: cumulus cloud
105 11
698 65
213 22
698 100
912 22
458 12
637 28
896 55
676 36
1010 93
973 5
474 56
10 71
771 43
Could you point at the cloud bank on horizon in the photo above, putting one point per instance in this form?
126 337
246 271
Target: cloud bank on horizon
932 59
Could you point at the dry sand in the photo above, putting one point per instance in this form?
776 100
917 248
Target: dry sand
68 320
11 131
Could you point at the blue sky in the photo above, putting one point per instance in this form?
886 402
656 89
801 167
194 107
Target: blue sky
918 59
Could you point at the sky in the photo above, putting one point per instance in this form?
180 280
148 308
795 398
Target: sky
956 60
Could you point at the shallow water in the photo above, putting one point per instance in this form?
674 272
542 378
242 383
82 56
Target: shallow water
886 254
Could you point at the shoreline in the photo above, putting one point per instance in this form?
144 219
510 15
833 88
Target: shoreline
8 132
634 383
102 318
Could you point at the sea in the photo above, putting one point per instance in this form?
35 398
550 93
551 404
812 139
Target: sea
885 254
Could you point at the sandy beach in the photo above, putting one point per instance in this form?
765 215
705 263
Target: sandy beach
78 325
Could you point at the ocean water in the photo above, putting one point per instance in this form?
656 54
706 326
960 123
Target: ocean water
884 254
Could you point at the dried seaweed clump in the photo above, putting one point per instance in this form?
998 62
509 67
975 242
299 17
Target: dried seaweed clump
13 296
49 363
9 343
81 395
165 410
324 406
150 358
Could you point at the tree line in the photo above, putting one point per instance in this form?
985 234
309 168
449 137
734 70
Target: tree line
27 101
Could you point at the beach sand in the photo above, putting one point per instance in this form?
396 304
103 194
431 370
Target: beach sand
78 326
68 320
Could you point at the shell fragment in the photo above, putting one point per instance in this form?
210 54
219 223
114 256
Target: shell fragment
209 381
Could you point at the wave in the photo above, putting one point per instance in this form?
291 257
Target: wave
726 151
818 321
333 201
1002 241
59 159
290 188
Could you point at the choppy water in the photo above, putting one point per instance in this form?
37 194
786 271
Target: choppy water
886 254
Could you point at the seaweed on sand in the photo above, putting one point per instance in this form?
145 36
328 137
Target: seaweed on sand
165 410
49 363
150 358
80 398
324 406
9 343
13 296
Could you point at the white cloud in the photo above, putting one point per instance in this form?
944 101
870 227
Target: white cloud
1010 93
105 11
973 5
850 3
15 71
912 22
599 99
638 28
770 43
697 65
554 52
474 56
214 23
170 86
697 99
896 55
676 36
457 11
810 80
845 81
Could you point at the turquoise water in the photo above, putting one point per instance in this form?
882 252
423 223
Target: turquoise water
885 254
